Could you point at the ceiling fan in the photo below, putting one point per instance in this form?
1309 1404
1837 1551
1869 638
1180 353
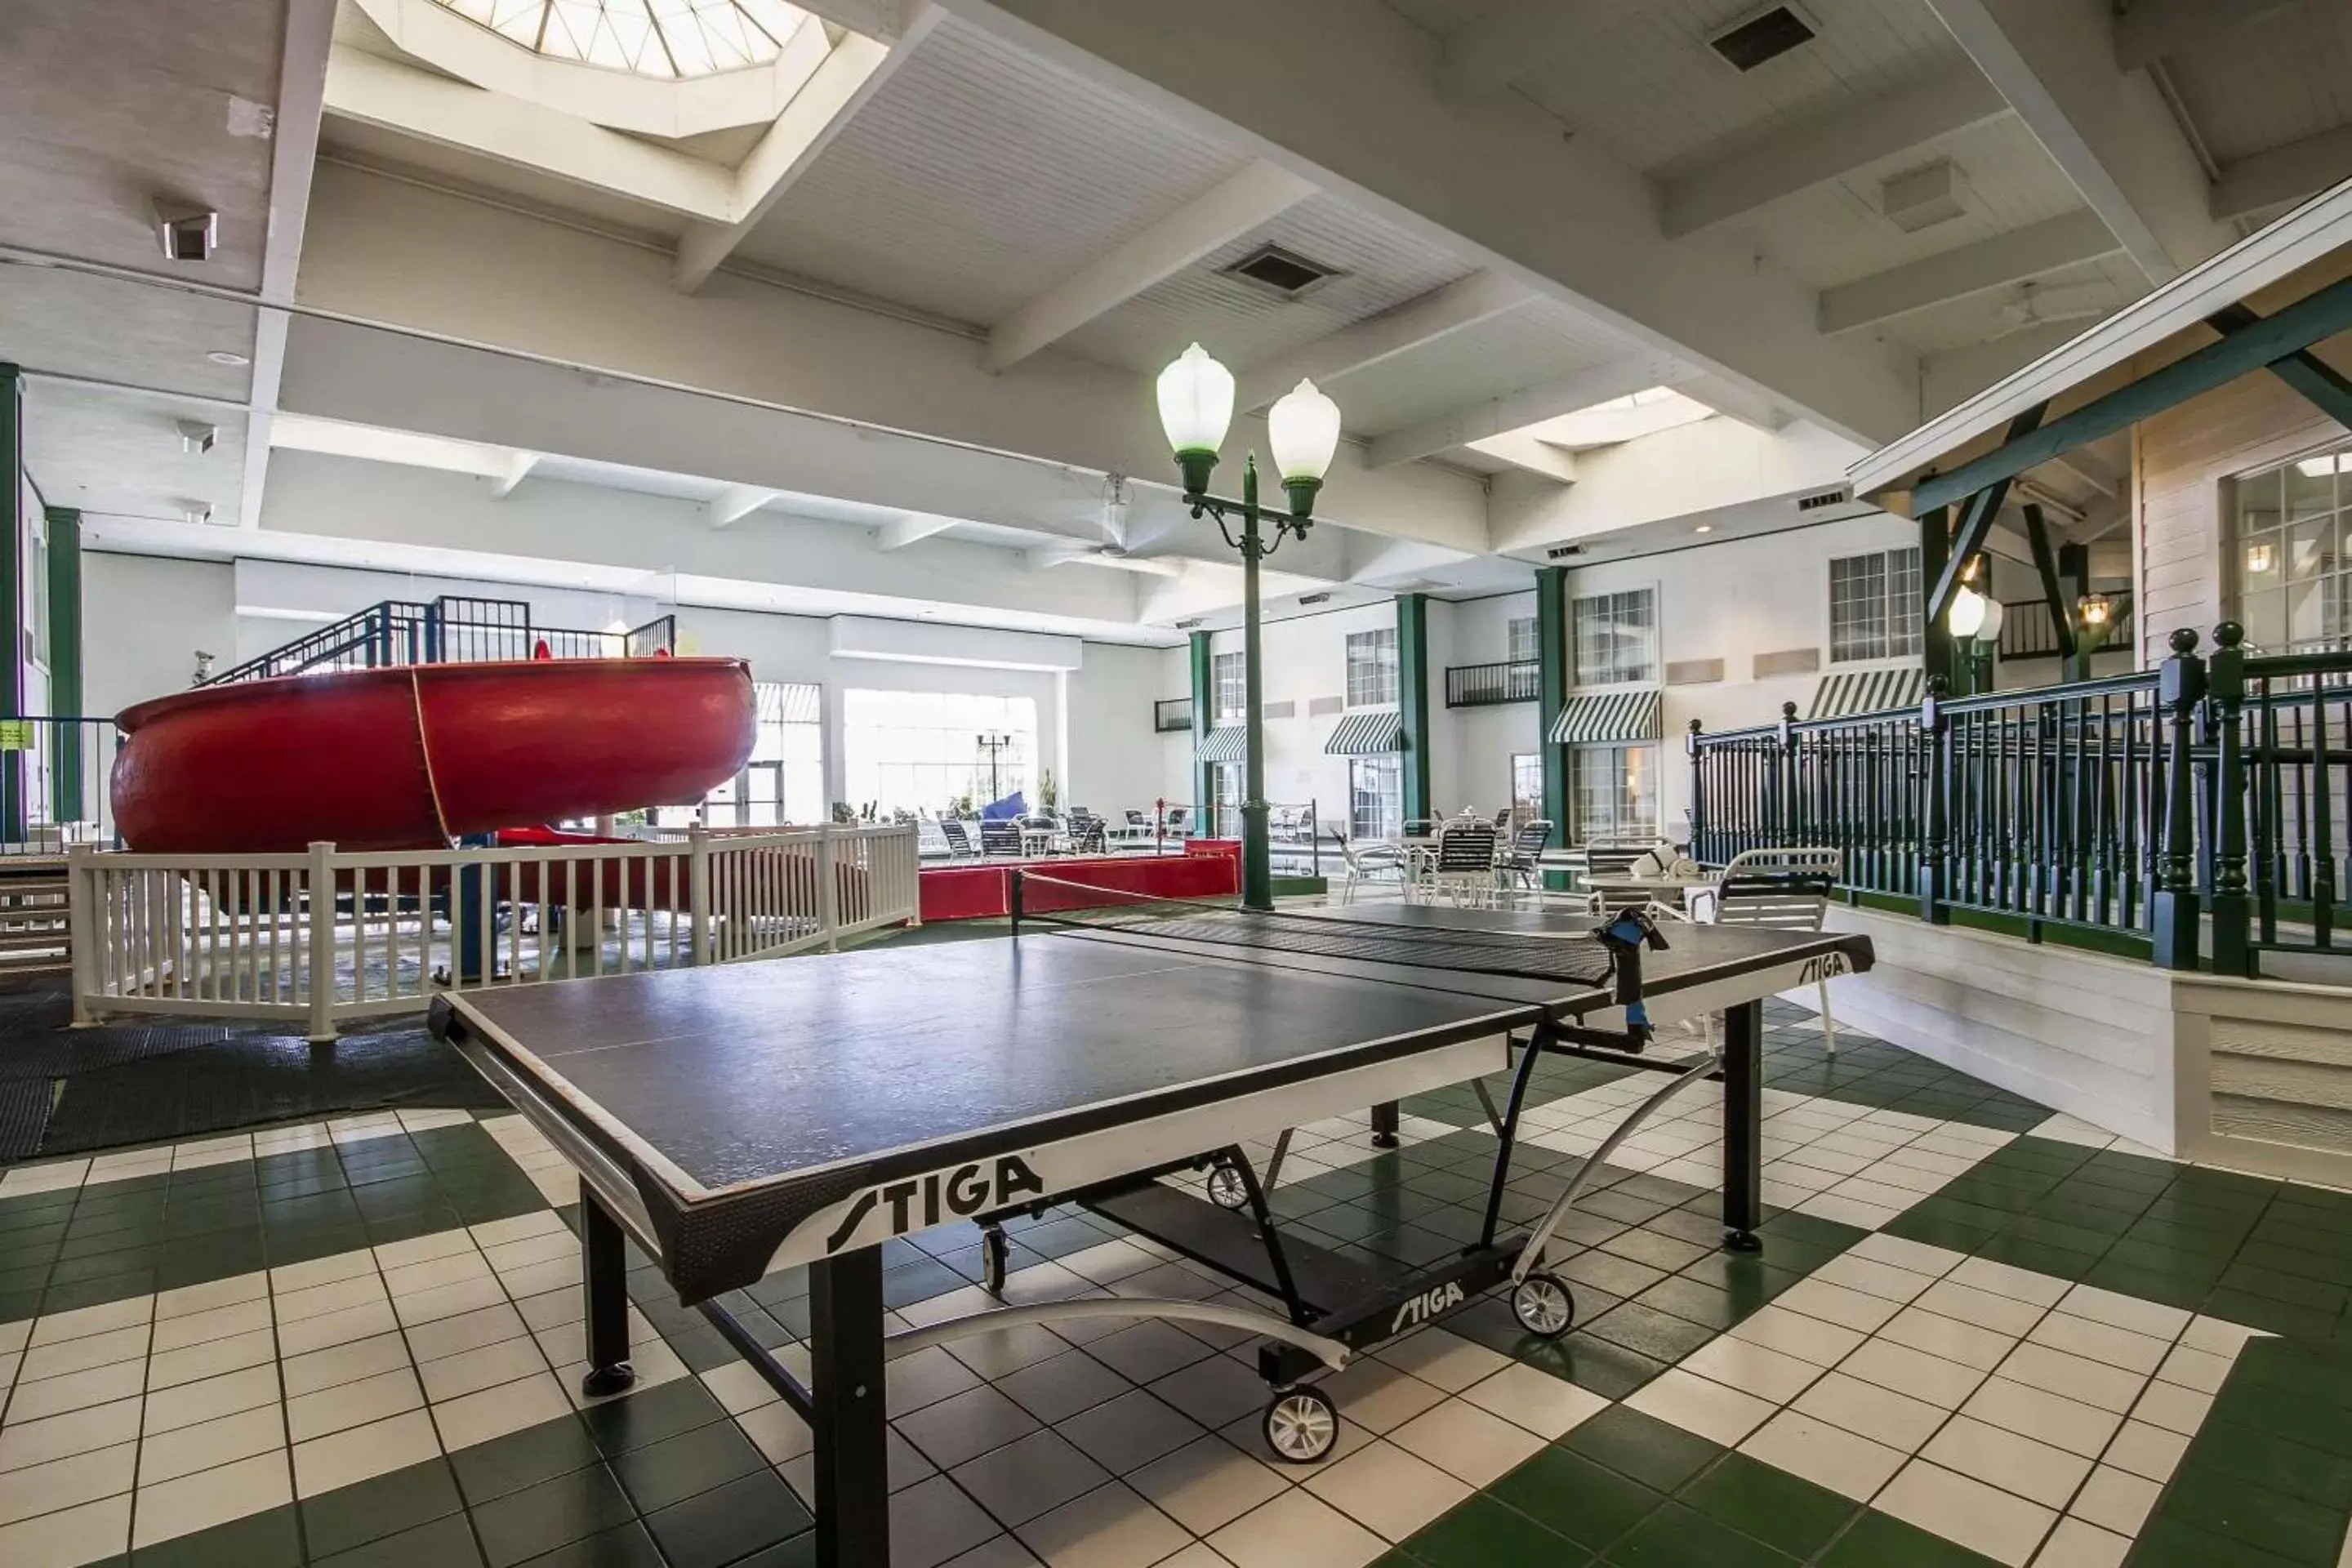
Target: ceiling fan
2038 306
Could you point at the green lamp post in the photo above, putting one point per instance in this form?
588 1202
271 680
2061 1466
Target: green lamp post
1196 405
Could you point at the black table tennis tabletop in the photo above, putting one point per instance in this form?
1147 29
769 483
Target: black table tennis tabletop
741 1118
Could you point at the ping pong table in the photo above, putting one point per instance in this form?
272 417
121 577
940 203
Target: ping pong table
742 1118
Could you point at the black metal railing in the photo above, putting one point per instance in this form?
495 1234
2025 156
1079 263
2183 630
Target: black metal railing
2026 631
1486 685
2209 795
1172 715
448 630
53 783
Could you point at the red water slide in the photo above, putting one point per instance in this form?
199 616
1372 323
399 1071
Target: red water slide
411 756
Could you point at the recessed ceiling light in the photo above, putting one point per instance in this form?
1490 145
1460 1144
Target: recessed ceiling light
1704 528
228 356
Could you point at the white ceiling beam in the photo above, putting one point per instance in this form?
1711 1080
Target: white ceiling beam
736 503
2151 29
1486 56
1784 164
1494 182
517 469
1238 205
2283 176
2093 471
1464 303
1979 269
902 532
1735 401
1496 415
1533 453
852 74
2109 129
294 153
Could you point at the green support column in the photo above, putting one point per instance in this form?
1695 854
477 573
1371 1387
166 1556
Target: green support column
1552 691
2073 585
1936 637
1205 713
1413 700
12 524
65 660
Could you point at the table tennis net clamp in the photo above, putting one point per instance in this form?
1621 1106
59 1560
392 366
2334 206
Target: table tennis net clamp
1332 1309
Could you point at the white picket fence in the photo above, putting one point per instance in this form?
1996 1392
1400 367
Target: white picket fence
330 936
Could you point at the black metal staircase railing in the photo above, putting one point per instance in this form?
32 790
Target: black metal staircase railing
448 630
2208 796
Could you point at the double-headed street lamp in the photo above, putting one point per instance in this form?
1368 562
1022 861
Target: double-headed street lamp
1196 405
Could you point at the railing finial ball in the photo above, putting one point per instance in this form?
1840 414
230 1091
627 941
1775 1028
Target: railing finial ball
2229 633
1694 726
2184 639
1788 711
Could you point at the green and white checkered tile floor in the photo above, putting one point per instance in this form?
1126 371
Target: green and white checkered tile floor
1977 1333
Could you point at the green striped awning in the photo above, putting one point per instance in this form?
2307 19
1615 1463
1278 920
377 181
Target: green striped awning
1374 732
1225 745
1607 716
1852 692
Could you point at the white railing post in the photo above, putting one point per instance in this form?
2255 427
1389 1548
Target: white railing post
828 893
697 886
81 929
320 960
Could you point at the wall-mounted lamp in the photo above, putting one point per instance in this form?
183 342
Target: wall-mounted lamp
2261 559
2096 610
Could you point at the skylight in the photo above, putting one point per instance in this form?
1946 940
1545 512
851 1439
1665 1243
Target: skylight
669 40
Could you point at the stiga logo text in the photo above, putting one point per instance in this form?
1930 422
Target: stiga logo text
920 1202
1823 968
1428 1304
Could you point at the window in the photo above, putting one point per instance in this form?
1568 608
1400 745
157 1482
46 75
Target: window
1526 784
920 750
1376 796
2294 581
1522 635
1372 668
784 780
1230 681
1612 791
1874 606
1617 638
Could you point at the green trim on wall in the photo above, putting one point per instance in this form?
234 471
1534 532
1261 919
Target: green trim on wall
11 592
1551 690
1204 714
65 659
1413 700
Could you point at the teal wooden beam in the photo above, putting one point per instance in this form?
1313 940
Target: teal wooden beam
1204 716
65 662
2045 564
2277 337
2073 586
2314 377
12 524
1551 691
1934 548
1413 700
1976 522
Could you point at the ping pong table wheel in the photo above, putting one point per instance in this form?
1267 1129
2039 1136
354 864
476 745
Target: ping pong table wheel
1301 1425
1226 1188
1543 1306
993 1254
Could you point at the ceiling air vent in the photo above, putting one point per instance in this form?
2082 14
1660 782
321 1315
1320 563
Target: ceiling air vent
1562 552
1282 272
1821 499
1766 35
1324 598
1188 625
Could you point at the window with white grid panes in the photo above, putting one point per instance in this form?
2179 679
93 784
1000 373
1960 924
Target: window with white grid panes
1616 638
1372 668
1376 796
1612 791
1521 640
1874 606
1526 784
2291 553
783 782
1230 679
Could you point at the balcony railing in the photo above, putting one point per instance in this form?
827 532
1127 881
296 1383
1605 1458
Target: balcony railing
1486 685
2210 794
446 631
1175 713
2026 631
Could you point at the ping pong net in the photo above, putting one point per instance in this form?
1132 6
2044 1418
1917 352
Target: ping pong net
1087 908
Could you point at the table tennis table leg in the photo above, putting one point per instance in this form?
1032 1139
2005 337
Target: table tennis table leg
1743 1125
1384 1124
605 1279
853 1488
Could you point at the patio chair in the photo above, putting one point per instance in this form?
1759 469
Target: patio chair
1780 889
1000 839
1461 866
957 833
1087 832
1523 861
1366 863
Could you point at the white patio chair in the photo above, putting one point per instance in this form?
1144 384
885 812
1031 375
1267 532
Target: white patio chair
1366 863
1461 866
1785 888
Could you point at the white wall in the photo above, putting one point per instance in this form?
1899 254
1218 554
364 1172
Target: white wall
143 618
1113 758
1305 658
1472 747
